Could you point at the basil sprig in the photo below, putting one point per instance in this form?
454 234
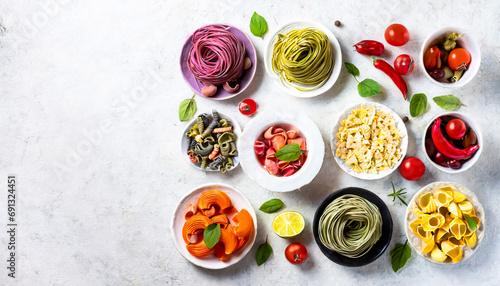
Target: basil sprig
258 25
289 153
211 235
263 253
399 255
271 206
418 104
367 87
187 109
448 102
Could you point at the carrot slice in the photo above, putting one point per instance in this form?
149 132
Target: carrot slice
199 249
194 224
243 223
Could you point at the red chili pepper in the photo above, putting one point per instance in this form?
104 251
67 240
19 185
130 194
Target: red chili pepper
446 148
393 74
432 58
369 47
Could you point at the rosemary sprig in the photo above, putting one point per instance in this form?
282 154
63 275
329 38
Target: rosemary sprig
397 194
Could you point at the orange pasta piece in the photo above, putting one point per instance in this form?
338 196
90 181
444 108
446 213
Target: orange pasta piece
199 249
242 242
221 219
243 223
300 141
222 129
193 224
229 240
219 252
213 201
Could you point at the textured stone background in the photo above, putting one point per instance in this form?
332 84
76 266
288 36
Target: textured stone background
89 95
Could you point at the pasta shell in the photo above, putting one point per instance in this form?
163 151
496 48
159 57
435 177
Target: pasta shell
471 240
427 246
427 204
458 197
414 224
447 220
229 240
459 256
433 221
437 254
454 210
458 228
423 235
441 234
466 207
443 198
455 241
214 198
193 224
417 211
243 223
449 190
199 249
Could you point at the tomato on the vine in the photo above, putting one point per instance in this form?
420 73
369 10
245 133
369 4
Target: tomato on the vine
397 35
296 253
247 107
456 129
404 64
412 168
459 59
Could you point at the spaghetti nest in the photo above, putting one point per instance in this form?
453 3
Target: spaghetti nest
350 226
304 57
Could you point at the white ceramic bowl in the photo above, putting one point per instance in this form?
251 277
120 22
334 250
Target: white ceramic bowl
239 201
467 42
256 172
473 125
185 141
403 144
415 242
337 54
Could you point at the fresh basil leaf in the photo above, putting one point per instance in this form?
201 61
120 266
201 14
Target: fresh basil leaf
399 255
263 253
271 206
471 223
368 87
258 25
187 109
448 102
418 104
352 69
288 153
211 235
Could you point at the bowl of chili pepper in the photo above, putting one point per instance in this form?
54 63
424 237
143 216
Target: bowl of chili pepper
453 142
450 57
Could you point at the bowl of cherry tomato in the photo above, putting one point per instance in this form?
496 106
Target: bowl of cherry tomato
453 142
450 57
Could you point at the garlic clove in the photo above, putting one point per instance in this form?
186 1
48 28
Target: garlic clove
209 90
247 63
233 87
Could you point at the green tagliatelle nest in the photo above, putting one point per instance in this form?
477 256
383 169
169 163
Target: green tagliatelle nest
350 226
303 57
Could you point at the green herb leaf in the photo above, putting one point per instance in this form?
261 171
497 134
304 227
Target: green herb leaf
471 223
258 25
288 153
271 206
187 109
352 69
448 102
399 255
211 235
418 104
397 194
368 87
263 253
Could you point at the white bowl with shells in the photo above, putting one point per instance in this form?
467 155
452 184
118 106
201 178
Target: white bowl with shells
417 243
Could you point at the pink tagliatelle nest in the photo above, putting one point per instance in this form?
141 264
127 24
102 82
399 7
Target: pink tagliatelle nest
216 56
273 140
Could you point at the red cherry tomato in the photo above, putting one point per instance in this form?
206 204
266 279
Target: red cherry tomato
247 107
397 35
459 59
456 129
412 168
296 253
404 64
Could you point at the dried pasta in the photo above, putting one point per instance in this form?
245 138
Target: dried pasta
369 140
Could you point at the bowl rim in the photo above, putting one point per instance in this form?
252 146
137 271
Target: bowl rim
253 68
439 33
236 130
378 248
472 161
431 188
403 143
201 262
255 171
336 49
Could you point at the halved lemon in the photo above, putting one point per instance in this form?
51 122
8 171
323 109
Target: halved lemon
288 224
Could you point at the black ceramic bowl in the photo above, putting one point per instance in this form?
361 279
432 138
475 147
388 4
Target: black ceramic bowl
377 249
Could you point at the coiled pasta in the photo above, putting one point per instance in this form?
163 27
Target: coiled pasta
350 226
303 56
